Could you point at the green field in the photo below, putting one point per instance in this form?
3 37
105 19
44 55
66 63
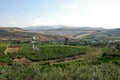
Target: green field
77 62
48 51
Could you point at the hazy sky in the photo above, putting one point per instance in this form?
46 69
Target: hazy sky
93 13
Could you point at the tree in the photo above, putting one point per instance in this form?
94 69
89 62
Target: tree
66 40
118 46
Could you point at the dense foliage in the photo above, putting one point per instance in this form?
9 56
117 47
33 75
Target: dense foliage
72 71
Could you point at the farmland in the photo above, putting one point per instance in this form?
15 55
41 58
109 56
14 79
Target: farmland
48 52
59 62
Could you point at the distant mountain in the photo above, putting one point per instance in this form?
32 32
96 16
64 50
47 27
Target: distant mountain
42 27
59 27
68 31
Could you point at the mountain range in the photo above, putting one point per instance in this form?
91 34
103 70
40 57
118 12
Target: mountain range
47 32
68 31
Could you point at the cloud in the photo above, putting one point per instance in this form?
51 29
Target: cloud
77 15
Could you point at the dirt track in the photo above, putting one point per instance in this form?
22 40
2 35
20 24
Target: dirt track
73 58
5 52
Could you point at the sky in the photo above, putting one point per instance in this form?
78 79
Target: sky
79 13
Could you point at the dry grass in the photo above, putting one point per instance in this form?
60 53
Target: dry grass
12 50
84 35
24 60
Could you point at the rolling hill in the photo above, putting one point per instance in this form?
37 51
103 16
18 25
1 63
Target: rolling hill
7 33
112 32
109 34
14 32
59 32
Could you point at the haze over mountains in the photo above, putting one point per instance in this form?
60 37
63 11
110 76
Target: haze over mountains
56 31
74 32
68 31
62 27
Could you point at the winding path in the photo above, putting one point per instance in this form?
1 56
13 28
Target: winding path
5 52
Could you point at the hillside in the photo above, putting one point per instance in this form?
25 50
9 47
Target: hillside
107 35
58 33
12 29
18 33
112 32
14 32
